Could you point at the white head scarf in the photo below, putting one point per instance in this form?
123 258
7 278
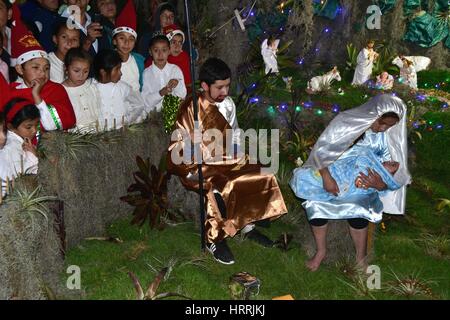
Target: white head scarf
347 126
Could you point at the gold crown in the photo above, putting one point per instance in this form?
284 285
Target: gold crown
28 41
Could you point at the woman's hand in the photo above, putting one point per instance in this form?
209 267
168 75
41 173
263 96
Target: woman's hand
372 180
329 184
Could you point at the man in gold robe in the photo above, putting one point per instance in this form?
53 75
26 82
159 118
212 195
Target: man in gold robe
238 193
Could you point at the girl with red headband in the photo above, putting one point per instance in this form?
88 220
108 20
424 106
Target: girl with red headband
18 154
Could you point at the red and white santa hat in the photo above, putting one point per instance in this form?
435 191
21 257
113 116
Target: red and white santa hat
24 45
172 30
126 20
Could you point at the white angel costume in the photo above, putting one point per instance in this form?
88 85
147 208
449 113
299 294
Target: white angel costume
120 105
270 56
14 160
86 102
334 144
408 74
364 67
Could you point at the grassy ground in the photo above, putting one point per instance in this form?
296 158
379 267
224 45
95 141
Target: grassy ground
402 250
413 252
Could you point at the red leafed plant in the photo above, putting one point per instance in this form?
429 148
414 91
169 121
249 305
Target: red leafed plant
148 194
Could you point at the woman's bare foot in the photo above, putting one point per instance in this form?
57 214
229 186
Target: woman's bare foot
361 264
314 263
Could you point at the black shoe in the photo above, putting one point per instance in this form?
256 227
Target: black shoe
221 252
258 237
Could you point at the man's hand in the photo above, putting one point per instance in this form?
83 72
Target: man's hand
372 180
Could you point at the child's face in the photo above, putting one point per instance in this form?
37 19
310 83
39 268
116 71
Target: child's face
124 42
160 52
27 129
2 136
37 68
176 45
116 74
107 8
391 166
78 72
166 18
5 14
67 39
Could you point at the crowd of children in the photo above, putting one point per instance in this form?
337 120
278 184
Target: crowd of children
64 67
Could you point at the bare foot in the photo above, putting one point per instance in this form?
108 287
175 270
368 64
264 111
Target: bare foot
361 264
314 263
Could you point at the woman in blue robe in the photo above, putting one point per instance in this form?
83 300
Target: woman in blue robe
353 147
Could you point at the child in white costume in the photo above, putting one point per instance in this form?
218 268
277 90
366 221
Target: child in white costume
161 78
65 39
120 105
124 39
17 152
83 93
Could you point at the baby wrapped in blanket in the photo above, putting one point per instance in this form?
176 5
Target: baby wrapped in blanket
307 183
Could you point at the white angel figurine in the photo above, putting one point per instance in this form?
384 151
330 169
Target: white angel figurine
409 66
269 49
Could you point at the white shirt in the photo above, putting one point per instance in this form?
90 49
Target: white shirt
86 102
130 73
228 109
56 68
46 117
119 104
14 160
155 79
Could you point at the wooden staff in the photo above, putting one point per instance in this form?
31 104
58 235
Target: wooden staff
196 145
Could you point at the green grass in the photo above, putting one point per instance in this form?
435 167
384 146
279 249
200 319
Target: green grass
399 251
104 265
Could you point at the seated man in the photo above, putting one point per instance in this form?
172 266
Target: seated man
237 193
